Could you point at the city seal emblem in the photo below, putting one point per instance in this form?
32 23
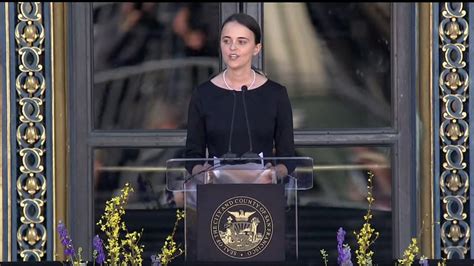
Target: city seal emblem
241 227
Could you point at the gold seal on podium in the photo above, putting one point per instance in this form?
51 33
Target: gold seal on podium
241 227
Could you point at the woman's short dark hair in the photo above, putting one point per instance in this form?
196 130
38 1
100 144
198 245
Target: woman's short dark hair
247 21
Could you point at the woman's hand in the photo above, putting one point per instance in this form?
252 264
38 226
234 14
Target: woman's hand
272 173
199 172
199 168
267 176
281 170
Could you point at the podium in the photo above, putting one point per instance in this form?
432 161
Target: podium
240 209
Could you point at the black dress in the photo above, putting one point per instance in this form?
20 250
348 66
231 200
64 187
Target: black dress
210 117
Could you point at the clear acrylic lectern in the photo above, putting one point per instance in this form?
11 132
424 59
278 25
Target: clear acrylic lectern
240 226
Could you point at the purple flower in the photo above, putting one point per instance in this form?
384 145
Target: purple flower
423 261
340 242
155 260
346 256
343 251
66 241
98 246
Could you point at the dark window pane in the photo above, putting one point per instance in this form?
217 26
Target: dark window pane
338 199
340 176
143 168
334 59
147 59
150 207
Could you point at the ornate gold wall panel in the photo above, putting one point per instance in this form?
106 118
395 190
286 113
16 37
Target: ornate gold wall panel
453 84
31 129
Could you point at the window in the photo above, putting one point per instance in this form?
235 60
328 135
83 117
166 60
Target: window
129 104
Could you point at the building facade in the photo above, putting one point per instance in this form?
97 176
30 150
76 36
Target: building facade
94 95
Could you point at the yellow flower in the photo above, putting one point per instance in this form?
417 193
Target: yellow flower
111 224
410 253
170 251
367 235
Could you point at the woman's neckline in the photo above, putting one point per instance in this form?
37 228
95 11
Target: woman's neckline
253 89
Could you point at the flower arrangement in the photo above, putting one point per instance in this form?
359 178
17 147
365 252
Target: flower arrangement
69 250
343 250
170 250
409 253
120 251
366 237
324 254
423 261
98 254
128 251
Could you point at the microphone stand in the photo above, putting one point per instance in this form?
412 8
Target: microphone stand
229 154
250 154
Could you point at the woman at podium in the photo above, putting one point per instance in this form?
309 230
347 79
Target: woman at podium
239 113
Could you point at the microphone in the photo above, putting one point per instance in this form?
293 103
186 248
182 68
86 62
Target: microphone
250 153
229 154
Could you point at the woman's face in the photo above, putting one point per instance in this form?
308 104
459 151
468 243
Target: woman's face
238 45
